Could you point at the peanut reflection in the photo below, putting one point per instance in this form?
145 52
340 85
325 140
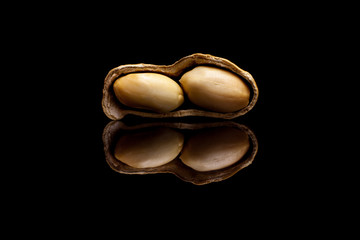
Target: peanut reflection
149 148
215 148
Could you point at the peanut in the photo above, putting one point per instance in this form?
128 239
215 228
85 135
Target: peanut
215 89
151 91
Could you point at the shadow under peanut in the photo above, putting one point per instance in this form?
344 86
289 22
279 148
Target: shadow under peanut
196 153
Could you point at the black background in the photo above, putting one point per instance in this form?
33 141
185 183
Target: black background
262 48
85 42
258 49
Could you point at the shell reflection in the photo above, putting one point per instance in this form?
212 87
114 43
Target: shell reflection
199 153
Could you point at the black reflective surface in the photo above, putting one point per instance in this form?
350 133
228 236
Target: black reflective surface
61 167
281 170
278 161
266 120
199 153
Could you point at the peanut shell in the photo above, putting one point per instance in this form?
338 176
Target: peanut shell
116 111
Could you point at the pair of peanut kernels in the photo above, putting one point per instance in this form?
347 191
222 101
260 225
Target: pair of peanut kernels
208 87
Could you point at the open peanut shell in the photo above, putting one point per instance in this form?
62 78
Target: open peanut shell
116 129
116 111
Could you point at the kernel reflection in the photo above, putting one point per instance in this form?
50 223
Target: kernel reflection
215 148
150 148
199 153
